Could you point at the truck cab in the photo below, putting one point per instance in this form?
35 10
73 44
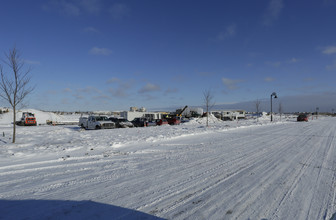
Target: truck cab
96 122
27 119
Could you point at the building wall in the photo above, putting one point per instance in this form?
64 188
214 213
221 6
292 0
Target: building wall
229 114
130 115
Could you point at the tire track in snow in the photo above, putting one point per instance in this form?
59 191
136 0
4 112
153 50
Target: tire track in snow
189 196
287 149
64 180
256 164
297 177
324 167
82 181
293 184
212 159
169 189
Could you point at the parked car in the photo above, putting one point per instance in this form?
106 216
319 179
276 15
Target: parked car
302 117
122 122
150 123
174 121
184 120
161 122
142 122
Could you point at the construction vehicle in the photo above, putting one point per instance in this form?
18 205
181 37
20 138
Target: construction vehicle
27 119
175 118
179 112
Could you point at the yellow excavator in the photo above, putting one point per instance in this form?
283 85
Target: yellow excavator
180 113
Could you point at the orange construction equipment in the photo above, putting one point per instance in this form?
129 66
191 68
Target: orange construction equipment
27 119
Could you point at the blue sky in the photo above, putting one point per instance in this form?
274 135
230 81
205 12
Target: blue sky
110 55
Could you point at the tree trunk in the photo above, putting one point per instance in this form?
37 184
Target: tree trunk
14 124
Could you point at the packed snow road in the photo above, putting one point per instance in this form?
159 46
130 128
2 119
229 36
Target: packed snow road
275 171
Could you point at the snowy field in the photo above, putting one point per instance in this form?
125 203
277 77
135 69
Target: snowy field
230 170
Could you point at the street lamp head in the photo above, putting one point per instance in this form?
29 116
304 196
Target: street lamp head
274 94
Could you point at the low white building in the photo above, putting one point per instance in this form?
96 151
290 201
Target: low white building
229 114
130 115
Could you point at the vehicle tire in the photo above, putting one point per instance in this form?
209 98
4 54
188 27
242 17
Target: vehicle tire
97 127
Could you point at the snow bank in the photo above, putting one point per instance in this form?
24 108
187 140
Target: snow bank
73 141
41 117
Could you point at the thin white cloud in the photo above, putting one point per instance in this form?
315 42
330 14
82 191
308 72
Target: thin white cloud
119 11
269 79
112 80
149 87
91 6
89 90
331 66
231 84
272 12
308 79
102 97
275 64
64 7
100 51
206 74
67 90
293 60
78 96
123 88
329 2
170 91
91 30
229 32
32 62
119 92
70 9
329 50
74 7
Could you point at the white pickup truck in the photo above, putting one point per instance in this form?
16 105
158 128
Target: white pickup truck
96 122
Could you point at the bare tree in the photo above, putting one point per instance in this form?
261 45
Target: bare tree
14 86
280 109
208 102
257 105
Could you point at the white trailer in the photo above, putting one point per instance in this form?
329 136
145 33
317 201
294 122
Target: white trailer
229 114
130 115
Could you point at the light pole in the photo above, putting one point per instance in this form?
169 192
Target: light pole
275 96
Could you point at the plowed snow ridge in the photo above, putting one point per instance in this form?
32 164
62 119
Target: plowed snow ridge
278 171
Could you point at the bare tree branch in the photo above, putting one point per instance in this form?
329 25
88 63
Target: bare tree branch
280 110
257 104
14 87
208 102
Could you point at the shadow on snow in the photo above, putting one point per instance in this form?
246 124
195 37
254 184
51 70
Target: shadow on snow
58 209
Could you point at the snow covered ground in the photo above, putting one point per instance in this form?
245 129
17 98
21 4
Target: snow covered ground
41 117
230 170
